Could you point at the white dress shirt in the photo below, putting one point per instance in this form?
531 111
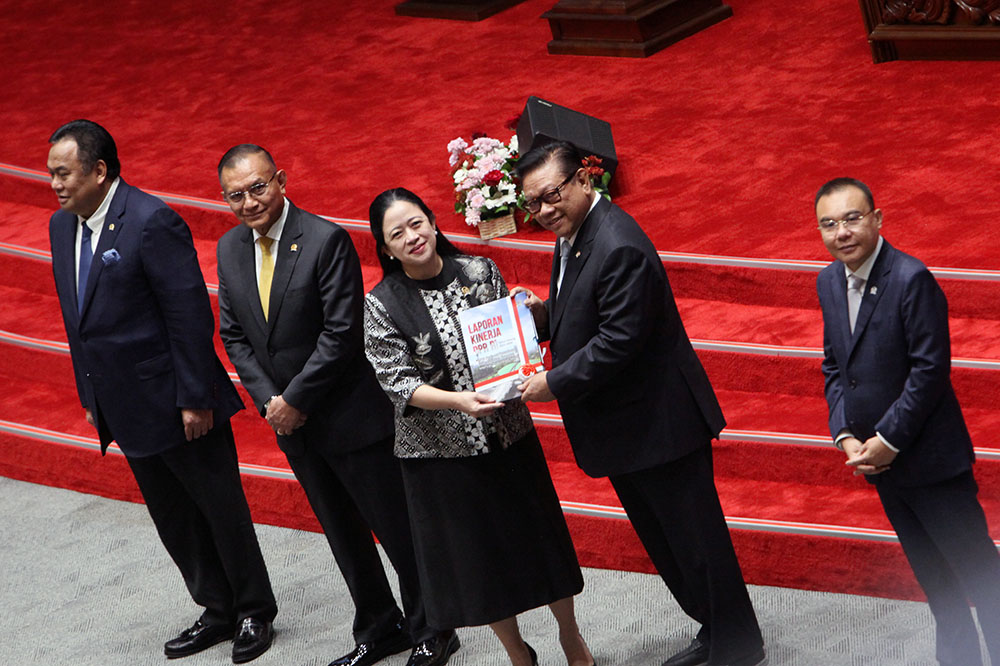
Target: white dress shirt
96 224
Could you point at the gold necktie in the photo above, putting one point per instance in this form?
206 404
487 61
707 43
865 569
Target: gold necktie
266 272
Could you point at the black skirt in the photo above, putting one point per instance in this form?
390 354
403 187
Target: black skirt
489 535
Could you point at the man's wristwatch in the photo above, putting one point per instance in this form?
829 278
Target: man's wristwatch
267 403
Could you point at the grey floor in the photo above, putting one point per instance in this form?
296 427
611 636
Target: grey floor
86 581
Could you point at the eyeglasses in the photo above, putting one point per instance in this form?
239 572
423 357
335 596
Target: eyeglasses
256 191
851 222
553 196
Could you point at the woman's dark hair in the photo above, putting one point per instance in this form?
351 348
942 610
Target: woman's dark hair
376 218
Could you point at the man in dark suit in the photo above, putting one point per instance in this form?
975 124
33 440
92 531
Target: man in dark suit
290 302
636 402
893 411
140 328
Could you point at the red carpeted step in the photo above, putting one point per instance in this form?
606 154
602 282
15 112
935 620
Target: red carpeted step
757 391
718 303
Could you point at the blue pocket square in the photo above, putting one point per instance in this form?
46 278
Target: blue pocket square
111 257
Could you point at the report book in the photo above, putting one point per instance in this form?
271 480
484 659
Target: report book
502 346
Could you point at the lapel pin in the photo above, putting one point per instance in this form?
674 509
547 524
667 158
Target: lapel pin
465 290
874 290
578 254
111 227
294 247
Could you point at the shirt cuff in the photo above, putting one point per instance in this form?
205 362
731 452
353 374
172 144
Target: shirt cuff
886 442
841 436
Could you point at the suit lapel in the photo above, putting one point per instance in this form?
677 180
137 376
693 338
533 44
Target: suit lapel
577 259
64 258
838 296
113 223
873 291
288 254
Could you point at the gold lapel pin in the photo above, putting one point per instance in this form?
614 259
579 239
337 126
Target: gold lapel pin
294 247
465 290
111 227
577 255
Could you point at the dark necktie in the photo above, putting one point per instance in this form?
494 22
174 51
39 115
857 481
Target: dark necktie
86 255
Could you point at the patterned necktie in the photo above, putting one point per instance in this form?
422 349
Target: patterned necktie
86 255
564 250
855 292
266 272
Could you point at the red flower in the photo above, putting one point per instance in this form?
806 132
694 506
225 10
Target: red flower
591 162
493 178
512 122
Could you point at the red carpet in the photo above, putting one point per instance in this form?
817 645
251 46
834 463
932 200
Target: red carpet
723 139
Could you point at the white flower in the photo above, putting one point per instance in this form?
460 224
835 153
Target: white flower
460 175
513 144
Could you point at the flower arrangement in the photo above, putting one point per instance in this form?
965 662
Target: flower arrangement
599 178
484 180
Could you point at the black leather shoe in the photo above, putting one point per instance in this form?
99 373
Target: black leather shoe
366 654
196 638
252 640
435 651
695 654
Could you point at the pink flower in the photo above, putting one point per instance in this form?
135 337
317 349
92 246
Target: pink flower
484 144
476 199
455 148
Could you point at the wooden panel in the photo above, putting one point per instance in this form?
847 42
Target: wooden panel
932 29
629 28
460 10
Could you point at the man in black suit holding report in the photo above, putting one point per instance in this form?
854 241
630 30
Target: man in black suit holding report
636 402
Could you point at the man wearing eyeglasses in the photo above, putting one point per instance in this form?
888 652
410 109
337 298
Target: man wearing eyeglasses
140 328
893 411
290 310
635 401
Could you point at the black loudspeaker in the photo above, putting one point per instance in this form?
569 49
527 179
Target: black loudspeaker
542 122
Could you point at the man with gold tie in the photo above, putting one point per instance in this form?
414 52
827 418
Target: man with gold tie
290 310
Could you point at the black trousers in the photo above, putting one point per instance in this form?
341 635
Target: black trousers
194 495
943 532
353 495
675 510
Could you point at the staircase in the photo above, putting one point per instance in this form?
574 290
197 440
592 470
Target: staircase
798 516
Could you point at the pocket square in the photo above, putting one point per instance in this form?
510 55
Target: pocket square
111 257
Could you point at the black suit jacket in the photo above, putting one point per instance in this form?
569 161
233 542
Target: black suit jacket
142 347
631 390
893 375
311 348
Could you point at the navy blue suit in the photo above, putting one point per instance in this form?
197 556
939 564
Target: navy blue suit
639 408
142 350
893 376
